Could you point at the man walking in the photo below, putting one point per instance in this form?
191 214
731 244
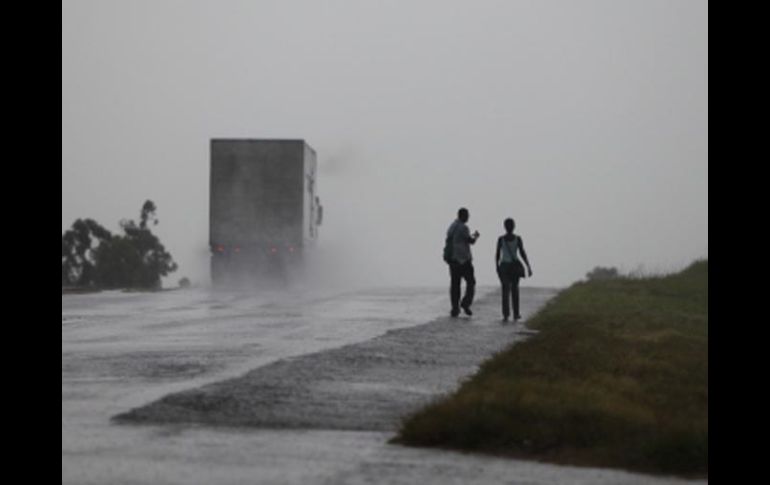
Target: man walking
459 240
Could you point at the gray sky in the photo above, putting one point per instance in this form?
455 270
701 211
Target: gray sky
586 121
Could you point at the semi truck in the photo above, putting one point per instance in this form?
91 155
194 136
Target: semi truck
264 208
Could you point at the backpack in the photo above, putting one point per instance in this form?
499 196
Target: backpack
449 246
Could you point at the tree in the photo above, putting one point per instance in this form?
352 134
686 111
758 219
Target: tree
136 259
78 253
600 273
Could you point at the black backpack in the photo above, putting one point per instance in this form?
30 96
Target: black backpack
448 247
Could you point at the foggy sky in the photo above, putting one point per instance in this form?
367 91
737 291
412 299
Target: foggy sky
586 121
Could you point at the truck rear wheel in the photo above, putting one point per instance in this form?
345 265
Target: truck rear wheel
218 269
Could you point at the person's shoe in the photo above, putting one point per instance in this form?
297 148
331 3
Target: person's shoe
454 313
505 318
517 318
467 310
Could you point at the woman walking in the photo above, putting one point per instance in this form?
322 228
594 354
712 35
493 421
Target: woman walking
509 267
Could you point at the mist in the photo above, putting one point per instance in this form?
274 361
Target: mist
587 122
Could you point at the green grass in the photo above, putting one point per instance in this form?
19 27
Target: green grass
616 377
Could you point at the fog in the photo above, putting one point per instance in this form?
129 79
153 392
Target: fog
587 122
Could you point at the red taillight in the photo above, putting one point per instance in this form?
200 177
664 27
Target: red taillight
274 250
237 249
291 249
221 249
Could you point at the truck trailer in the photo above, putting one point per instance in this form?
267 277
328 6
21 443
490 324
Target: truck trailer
264 208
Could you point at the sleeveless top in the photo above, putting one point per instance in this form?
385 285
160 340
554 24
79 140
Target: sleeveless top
509 250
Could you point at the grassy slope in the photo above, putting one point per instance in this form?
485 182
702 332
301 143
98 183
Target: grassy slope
617 377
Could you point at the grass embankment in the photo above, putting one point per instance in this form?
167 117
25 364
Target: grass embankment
616 377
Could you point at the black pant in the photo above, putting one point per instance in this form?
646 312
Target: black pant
459 271
510 281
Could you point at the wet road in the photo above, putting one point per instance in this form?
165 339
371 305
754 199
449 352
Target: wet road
345 366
